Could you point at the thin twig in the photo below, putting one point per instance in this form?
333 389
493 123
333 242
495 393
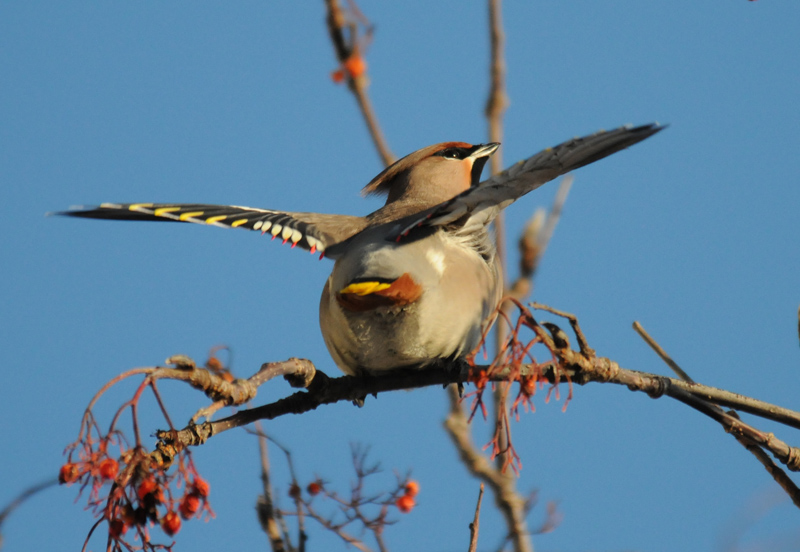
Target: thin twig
346 47
475 525
266 509
661 353
337 530
496 104
25 495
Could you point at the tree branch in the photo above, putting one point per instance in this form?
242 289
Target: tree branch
576 366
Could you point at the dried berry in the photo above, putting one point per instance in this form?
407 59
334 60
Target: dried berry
109 468
69 473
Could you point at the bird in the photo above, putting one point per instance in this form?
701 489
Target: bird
417 281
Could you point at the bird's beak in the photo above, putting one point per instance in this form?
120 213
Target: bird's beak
484 150
479 158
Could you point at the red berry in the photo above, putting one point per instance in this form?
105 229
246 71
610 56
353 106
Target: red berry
171 523
337 76
314 488
201 487
146 487
109 468
405 503
355 65
69 473
412 488
294 490
190 504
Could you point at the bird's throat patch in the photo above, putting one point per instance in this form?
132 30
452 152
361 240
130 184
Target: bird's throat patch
367 294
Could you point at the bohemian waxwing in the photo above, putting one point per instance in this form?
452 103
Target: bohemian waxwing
417 280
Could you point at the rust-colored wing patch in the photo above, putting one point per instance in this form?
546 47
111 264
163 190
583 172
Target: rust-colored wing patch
363 296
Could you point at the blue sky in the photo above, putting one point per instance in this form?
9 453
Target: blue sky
695 233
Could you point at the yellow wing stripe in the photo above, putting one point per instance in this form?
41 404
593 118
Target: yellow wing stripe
160 212
193 214
365 288
239 222
137 206
212 220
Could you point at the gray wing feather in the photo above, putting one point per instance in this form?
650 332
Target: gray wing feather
478 206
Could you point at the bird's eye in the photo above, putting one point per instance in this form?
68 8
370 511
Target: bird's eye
451 153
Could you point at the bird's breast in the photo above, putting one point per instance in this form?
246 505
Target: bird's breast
390 305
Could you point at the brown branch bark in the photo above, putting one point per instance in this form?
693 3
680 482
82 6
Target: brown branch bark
578 367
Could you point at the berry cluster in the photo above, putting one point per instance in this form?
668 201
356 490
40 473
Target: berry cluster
405 502
130 491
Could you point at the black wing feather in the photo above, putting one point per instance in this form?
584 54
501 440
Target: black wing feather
289 227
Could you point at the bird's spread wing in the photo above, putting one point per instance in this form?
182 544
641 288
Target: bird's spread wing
478 206
312 231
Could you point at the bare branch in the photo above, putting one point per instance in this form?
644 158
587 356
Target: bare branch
581 369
